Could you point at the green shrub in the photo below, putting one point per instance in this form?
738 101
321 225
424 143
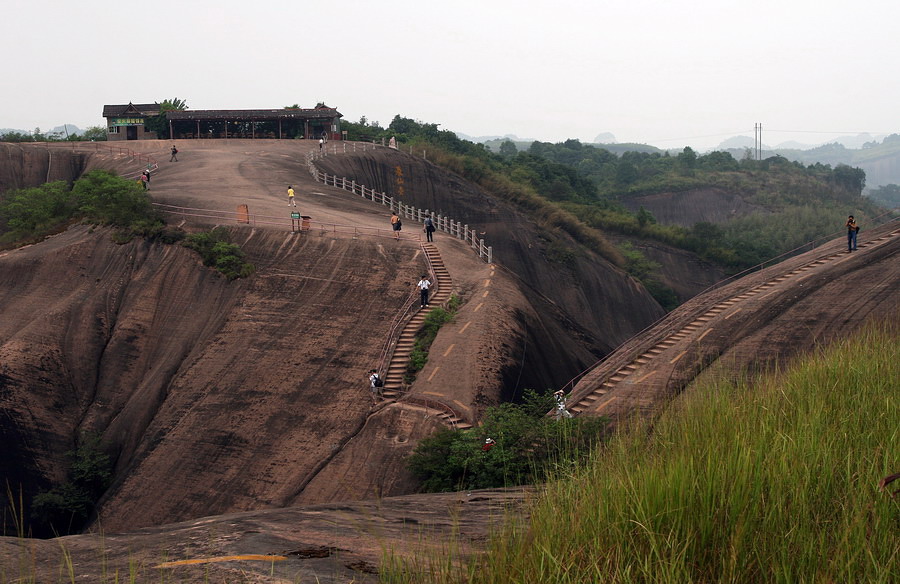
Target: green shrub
99 197
27 211
66 507
528 445
434 320
109 199
216 252
645 270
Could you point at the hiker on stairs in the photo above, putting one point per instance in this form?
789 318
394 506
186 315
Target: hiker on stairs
375 384
423 286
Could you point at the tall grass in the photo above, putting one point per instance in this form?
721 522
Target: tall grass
773 479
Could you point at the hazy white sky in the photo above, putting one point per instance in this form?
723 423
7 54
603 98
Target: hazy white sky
658 72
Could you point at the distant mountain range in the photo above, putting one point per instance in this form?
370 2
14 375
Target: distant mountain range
72 130
857 141
878 155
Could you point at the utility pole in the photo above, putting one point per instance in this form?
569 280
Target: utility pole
757 135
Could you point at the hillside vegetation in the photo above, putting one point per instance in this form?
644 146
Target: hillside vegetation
771 479
98 197
103 198
585 190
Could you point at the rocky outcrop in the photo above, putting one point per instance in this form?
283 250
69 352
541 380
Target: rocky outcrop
211 395
29 165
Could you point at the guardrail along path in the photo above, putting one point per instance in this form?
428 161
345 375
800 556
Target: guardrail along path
395 388
651 365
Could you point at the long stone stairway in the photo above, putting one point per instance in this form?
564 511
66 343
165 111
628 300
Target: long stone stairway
699 327
394 386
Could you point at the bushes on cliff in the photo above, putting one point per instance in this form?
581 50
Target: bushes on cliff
109 199
528 444
434 320
39 209
66 507
218 253
98 197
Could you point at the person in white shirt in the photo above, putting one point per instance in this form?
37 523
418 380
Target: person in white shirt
561 410
375 384
423 286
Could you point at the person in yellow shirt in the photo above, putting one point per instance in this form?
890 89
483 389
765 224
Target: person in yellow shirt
291 196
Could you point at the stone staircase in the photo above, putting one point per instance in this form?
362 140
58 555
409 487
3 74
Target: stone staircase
394 386
703 322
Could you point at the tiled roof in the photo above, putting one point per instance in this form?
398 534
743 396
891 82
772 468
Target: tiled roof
147 109
255 114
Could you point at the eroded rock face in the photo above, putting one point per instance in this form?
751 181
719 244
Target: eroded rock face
212 395
216 396
578 298
24 166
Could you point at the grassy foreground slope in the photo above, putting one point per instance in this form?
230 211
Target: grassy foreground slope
772 479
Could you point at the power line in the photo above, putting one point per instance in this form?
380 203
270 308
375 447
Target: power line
826 132
696 137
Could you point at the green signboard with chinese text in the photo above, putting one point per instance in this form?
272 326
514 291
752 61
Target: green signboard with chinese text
126 121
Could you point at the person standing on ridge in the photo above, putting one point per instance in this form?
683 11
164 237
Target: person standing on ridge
852 230
291 196
429 228
174 152
423 286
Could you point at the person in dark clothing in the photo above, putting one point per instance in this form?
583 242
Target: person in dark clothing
429 228
852 230
174 152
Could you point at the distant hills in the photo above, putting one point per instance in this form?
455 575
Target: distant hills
62 130
878 155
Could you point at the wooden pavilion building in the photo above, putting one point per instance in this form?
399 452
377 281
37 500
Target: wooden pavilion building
127 122
319 122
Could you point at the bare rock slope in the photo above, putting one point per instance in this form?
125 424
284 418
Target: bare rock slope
220 397
215 396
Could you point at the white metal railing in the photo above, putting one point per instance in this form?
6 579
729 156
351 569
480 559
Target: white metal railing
441 222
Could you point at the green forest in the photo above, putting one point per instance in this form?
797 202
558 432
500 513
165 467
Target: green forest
585 190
